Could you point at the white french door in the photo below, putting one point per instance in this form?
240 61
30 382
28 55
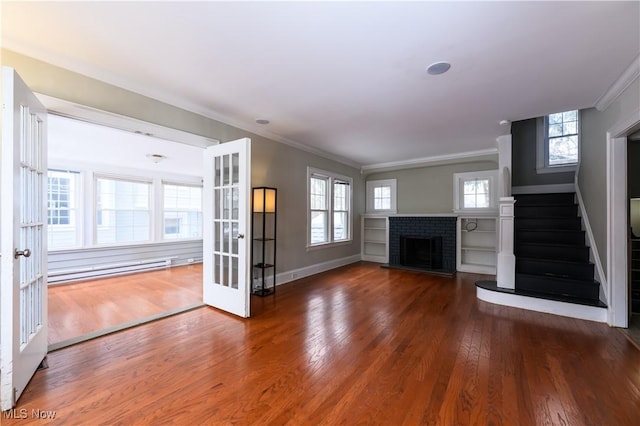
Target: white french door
226 230
23 220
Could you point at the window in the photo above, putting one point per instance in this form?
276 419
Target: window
182 211
475 191
122 211
381 196
329 207
62 209
558 142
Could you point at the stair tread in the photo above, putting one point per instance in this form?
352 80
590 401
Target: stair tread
492 285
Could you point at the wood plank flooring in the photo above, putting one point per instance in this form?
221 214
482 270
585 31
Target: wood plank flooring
89 306
356 345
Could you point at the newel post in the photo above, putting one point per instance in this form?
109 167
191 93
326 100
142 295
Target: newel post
506 268
506 262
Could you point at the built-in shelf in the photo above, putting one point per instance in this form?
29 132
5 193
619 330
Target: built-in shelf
375 238
477 244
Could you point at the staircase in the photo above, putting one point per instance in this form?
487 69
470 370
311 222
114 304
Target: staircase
552 259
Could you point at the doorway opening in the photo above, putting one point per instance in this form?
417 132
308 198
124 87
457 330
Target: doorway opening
124 228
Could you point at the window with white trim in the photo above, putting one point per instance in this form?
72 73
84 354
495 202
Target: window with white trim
123 211
558 142
381 196
475 191
182 211
62 209
329 207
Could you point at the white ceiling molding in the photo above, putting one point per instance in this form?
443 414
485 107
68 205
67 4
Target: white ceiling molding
619 86
490 154
72 110
93 115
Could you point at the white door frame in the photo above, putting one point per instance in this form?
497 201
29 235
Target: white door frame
617 219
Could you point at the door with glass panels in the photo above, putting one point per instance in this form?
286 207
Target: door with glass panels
23 242
226 275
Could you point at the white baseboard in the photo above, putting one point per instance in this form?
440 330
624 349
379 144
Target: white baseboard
590 313
295 274
543 189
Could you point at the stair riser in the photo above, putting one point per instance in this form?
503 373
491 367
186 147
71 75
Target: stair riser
546 211
565 223
576 271
574 254
552 237
559 198
585 290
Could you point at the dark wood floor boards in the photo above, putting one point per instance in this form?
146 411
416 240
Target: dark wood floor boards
357 345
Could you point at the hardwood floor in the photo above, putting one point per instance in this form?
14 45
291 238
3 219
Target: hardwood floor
89 306
356 345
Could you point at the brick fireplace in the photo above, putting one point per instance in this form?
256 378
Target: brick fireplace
433 234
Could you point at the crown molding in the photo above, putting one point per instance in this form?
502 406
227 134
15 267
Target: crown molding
164 97
435 160
619 86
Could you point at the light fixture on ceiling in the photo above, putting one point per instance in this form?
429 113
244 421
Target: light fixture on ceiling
156 158
438 68
504 122
262 121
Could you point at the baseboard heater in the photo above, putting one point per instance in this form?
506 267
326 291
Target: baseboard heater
66 275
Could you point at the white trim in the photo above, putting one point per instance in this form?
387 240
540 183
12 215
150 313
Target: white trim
544 189
617 226
296 274
619 86
80 112
370 198
542 148
572 310
458 192
593 248
53 104
431 161
331 178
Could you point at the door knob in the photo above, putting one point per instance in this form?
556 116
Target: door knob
18 253
240 236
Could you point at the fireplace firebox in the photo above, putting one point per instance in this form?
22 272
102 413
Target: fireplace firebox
420 252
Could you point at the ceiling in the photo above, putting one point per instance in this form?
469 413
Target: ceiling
345 78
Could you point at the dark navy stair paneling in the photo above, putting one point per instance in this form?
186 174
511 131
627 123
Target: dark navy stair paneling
553 199
552 258
555 268
553 251
545 210
566 223
564 287
550 236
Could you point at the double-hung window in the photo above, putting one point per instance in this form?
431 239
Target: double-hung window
123 211
330 199
62 209
558 142
182 205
